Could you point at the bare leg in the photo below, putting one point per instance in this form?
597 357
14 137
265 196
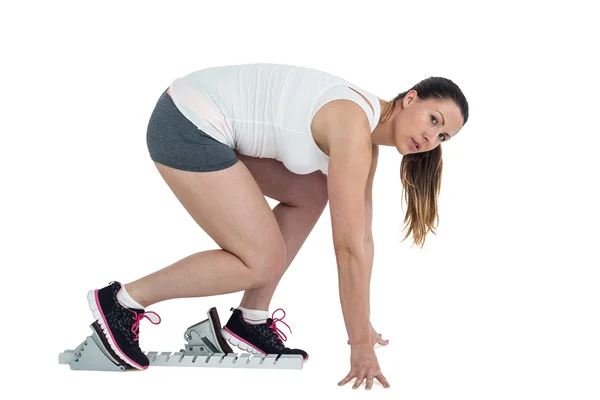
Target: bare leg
302 201
231 208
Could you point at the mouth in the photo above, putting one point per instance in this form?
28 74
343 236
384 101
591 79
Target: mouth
416 145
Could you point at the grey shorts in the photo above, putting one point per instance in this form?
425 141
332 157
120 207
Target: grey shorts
176 142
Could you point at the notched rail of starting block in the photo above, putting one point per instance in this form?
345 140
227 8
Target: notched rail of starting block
220 360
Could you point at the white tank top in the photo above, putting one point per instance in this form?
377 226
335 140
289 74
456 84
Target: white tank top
265 110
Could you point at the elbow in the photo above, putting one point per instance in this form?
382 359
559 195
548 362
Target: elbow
349 248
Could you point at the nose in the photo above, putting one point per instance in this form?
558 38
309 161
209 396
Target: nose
429 140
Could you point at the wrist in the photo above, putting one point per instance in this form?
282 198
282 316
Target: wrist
360 345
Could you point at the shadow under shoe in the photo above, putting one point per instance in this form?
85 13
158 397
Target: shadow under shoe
259 339
120 324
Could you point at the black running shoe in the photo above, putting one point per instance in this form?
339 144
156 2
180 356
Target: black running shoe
119 324
259 339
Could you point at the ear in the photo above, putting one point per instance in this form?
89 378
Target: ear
409 98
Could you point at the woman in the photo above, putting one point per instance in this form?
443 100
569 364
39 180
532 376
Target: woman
304 137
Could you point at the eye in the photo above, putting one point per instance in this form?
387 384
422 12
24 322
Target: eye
434 119
442 137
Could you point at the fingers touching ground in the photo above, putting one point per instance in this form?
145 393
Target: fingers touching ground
359 378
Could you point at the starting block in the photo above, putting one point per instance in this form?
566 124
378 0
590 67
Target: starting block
204 347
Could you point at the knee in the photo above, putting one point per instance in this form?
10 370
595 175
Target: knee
269 262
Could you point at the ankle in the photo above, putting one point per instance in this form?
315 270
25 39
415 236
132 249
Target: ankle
254 315
134 293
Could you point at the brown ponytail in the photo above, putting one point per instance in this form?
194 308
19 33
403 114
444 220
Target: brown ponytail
421 177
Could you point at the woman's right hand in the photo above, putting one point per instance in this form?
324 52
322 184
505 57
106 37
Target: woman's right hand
364 365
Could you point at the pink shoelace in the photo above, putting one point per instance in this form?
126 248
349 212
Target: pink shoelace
274 326
137 318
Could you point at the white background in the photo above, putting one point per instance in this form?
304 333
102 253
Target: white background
503 303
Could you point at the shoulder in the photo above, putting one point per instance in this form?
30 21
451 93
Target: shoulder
340 120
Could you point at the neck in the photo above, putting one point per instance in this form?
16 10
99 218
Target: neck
383 134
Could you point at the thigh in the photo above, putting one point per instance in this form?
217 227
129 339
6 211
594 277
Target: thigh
279 183
230 207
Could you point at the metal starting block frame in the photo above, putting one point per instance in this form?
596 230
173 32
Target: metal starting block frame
203 349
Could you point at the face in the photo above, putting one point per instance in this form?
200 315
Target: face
422 125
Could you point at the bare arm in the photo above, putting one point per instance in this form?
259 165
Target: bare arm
349 164
369 243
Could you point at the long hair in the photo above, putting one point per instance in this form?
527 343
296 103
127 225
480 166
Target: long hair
421 173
